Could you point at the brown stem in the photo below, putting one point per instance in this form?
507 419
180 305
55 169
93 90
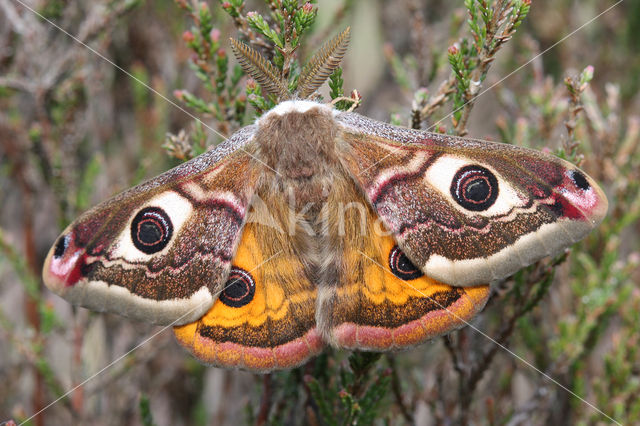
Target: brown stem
461 125
31 305
30 355
77 399
265 404
457 364
446 88
89 30
419 40
397 392
16 84
486 55
470 377
17 154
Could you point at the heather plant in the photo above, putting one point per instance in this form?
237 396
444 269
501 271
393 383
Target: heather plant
556 340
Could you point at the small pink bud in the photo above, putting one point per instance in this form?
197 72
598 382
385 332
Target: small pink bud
251 84
421 94
527 2
215 35
356 95
307 8
179 94
588 72
343 393
252 14
453 50
188 36
221 53
226 5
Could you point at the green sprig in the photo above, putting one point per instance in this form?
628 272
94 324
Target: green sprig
258 23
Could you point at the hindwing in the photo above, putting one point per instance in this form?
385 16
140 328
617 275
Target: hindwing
264 315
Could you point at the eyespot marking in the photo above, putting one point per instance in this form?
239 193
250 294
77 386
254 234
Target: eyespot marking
474 187
401 266
151 230
61 246
239 289
580 180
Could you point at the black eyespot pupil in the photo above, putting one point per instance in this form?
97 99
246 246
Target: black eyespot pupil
474 187
401 266
580 180
239 289
61 246
478 190
151 230
236 289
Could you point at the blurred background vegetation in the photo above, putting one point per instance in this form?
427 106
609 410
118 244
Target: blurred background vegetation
74 130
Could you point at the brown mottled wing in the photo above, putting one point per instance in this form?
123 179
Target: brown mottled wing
467 212
160 251
379 300
264 317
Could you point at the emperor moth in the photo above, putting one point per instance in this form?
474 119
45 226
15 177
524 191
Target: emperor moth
316 227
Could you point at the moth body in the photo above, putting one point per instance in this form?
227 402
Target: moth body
296 142
314 227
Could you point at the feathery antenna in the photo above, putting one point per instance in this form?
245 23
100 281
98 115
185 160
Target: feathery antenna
322 64
261 70
314 73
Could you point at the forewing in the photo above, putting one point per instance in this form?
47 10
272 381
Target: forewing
160 251
465 211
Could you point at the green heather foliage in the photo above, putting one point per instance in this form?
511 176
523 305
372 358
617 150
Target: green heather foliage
74 130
